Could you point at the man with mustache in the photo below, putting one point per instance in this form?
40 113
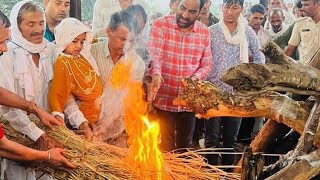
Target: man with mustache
289 18
10 149
306 32
277 25
55 12
256 17
233 42
179 47
27 70
283 39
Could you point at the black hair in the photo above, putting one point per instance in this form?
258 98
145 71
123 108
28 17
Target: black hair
123 18
233 2
257 8
135 9
4 21
201 2
298 4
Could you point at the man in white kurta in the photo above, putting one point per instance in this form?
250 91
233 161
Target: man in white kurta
26 69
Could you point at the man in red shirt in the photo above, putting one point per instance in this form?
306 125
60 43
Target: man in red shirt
10 149
179 47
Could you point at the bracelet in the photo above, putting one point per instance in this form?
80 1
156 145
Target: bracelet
49 155
31 107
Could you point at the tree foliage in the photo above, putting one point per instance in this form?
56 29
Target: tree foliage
87 9
6 5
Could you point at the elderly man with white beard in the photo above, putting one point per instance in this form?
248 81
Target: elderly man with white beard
28 68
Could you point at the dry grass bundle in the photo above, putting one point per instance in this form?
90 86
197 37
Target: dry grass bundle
97 160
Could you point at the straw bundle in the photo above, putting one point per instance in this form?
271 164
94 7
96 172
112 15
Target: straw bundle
98 160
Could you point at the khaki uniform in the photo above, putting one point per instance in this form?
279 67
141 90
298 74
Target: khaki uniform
306 35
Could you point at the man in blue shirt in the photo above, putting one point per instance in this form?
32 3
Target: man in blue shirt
233 42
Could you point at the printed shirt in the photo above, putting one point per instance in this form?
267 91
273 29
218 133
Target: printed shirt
175 55
225 55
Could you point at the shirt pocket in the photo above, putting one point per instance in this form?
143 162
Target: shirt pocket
306 35
306 39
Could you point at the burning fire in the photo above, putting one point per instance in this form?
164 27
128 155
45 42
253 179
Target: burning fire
143 134
149 157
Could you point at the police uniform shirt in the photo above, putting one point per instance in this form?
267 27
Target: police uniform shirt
306 35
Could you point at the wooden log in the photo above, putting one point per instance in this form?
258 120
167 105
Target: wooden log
300 168
291 171
284 74
246 164
305 143
206 100
269 132
252 165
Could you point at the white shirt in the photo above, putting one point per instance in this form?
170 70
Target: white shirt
21 76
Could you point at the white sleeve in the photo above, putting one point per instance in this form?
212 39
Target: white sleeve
73 113
21 122
16 117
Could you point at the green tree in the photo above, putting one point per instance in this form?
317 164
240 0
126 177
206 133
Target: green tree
87 10
7 5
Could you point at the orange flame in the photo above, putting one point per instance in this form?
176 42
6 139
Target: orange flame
149 157
143 134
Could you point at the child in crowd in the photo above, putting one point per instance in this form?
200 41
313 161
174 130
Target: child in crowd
75 73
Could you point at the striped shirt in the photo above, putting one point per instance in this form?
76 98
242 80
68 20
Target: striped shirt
175 55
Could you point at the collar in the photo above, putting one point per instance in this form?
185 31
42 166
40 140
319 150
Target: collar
71 56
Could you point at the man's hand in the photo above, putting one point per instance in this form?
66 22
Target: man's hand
86 129
55 157
154 87
45 142
46 118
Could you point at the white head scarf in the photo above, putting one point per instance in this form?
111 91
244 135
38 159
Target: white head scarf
16 35
239 38
67 30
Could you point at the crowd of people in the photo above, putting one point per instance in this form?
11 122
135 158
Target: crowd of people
58 69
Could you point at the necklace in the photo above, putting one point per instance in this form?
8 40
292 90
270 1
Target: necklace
88 78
